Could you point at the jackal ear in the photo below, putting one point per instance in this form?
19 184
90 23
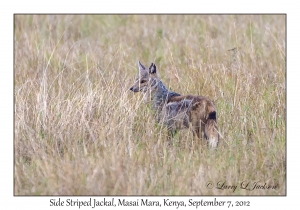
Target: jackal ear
152 68
141 66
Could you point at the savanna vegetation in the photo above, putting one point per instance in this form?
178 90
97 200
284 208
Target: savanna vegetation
80 131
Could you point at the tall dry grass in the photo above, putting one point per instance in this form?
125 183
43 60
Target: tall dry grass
79 131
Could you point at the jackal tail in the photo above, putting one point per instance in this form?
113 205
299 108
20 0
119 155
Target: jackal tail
211 130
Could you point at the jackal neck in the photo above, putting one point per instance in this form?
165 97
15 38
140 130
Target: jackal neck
161 94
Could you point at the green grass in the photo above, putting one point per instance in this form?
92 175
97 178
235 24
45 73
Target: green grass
79 131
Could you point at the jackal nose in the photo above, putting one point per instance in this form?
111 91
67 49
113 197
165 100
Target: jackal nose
131 89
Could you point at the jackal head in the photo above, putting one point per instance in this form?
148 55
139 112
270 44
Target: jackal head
146 79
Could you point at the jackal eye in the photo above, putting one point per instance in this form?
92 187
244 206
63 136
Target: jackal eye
143 81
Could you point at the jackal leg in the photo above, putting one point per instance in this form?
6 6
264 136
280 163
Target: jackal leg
171 134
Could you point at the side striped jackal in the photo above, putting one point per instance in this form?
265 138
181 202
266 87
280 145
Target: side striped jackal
175 110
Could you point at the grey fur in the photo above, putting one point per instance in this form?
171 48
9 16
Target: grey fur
176 111
174 115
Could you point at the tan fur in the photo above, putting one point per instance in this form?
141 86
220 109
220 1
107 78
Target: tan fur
177 111
200 111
